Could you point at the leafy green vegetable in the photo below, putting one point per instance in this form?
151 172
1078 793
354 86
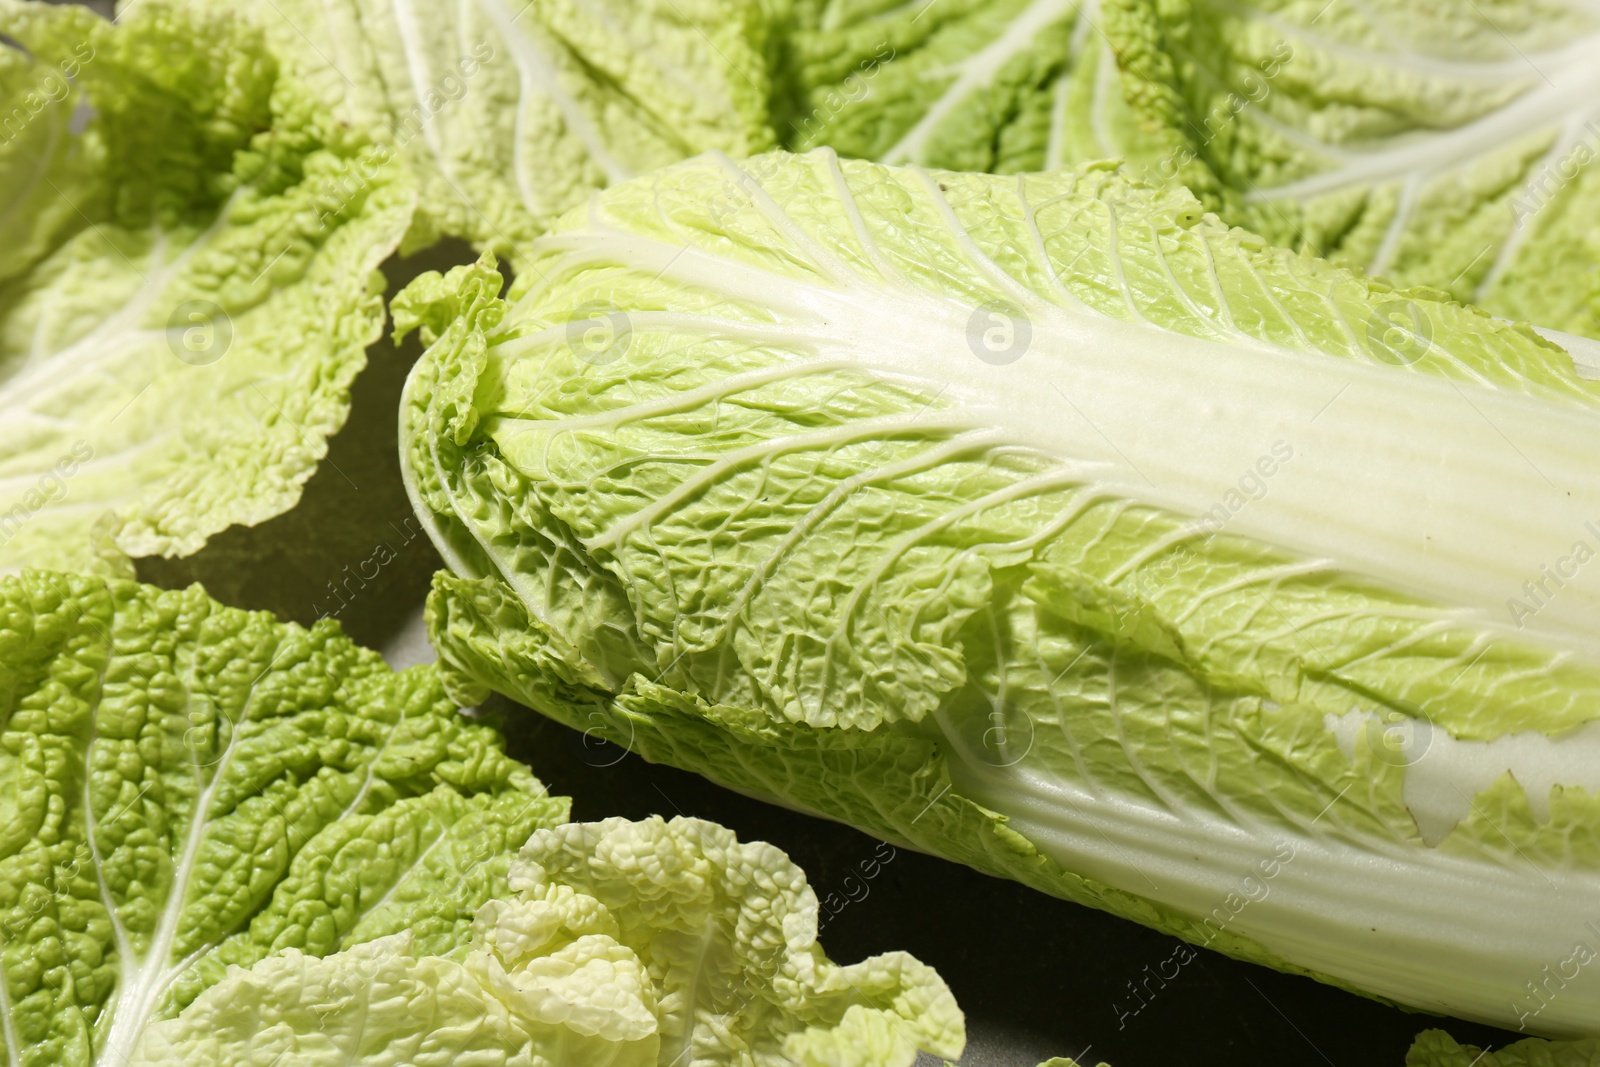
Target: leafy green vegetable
201 196
625 944
510 112
985 85
1046 524
1446 144
1435 1048
1443 145
188 282
184 787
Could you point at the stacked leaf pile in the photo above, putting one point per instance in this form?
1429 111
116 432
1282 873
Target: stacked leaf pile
1140 448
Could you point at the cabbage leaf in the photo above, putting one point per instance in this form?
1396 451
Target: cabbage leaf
1435 1048
188 282
985 85
506 113
1049 525
1446 144
201 196
185 787
620 945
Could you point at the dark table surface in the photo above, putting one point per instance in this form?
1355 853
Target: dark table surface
1036 976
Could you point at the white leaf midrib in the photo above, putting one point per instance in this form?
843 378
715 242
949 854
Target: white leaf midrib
1126 371
977 71
915 335
111 337
139 990
704 943
1326 910
540 70
1569 89
414 866
419 81
1522 227
116 335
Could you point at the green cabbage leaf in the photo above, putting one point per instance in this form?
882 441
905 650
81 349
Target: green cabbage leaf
1047 524
1445 144
986 85
188 282
223 838
1435 1048
186 787
620 945
199 198
506 113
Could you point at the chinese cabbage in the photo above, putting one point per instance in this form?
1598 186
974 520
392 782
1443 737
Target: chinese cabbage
1047 524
